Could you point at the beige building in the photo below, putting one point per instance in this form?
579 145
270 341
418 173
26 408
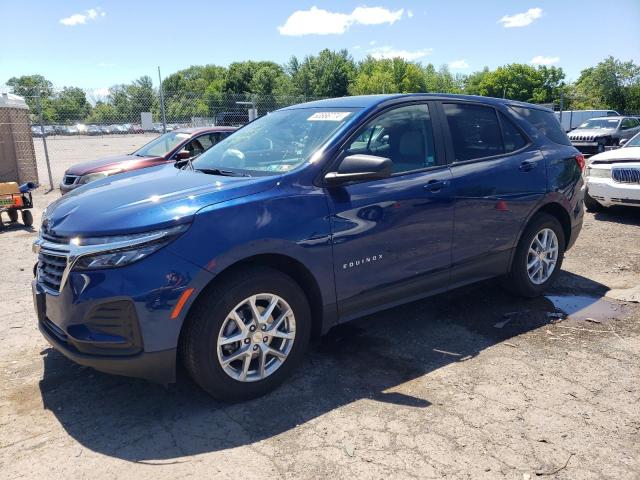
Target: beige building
17 155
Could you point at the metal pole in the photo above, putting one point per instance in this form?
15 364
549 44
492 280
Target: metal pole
164 117
561 105
44 140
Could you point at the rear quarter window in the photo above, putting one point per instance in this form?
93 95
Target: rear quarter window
546 123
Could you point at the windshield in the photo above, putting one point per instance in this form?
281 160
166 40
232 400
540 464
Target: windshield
162 145
275 143
634 142
601 123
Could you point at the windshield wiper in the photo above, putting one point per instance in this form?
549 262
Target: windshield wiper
224 173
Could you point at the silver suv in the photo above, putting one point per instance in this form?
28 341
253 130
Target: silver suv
597 133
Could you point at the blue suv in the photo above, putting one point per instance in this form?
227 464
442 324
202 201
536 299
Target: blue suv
303 219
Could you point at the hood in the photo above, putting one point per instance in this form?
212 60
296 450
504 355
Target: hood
144 200
123 162
591 132
618 155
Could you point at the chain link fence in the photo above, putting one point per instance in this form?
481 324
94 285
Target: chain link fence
67 128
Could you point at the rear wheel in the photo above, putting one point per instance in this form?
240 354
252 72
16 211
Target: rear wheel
13 215
590 203
245 337
27 218
538 257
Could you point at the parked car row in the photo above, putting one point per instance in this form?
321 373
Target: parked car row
112 129
229 258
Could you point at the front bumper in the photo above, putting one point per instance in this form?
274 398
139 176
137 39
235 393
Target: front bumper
587 148
159 367
120 321
64 188
607 192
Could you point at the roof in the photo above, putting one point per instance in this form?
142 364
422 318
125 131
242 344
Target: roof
9 100
611 117
369 101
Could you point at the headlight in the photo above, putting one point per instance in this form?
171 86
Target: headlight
97 176
598 172
125 249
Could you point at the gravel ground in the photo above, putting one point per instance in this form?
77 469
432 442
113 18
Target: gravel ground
472 384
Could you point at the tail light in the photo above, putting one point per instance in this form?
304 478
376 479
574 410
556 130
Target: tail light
580 161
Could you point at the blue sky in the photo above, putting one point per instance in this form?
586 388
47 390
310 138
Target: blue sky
98 43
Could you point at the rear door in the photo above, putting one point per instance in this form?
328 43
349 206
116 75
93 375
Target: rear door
497 178
392 237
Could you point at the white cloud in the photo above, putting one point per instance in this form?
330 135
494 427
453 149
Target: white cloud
458 64
318 21
409 13
541 60
521 19
372 42
390 52
82 18
106 65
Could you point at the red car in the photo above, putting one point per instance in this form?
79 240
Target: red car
169 147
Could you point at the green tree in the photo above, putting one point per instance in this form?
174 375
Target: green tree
70 105
612 83
29 86
102 113
328 74
387 76
518 81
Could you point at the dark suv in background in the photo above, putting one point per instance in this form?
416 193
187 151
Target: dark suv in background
594 135
305 218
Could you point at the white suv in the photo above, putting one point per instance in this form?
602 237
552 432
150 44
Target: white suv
613 177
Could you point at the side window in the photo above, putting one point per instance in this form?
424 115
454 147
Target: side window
546 122
404 135
513 139
627 124
475 131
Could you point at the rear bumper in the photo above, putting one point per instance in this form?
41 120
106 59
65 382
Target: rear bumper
159 367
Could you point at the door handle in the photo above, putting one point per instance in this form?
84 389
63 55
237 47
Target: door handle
436 185
527 165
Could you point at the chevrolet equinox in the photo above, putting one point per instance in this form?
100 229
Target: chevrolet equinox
305 218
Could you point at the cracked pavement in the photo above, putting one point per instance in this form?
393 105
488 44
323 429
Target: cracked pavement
471 384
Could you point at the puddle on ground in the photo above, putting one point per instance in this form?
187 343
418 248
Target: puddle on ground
582 307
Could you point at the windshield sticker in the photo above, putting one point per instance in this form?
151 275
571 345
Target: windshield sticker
328 116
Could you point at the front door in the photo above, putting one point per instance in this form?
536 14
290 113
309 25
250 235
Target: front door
391 237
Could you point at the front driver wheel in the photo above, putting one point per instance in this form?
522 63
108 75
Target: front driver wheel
246 335
538 257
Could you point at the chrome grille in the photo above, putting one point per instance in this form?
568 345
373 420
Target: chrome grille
70 179
49 237
626 175
50 268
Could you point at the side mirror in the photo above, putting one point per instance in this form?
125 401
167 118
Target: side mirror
360 167
623 141
182 155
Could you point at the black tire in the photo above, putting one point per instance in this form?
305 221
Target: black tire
27 218
517 280
590 203
13 215
198 341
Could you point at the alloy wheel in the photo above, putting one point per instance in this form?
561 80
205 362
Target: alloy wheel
542 256
256 337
